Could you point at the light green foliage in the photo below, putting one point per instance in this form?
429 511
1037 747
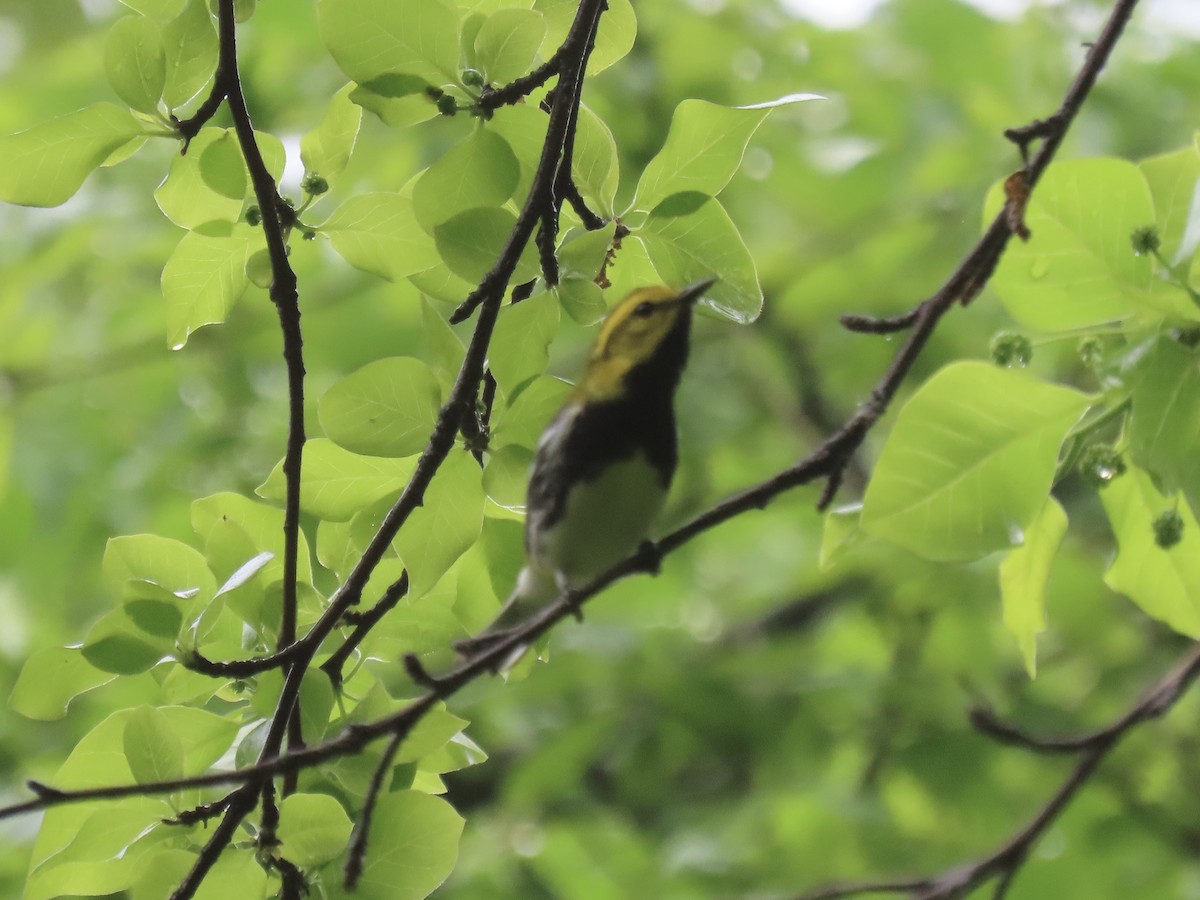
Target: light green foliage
703 149
980 484
45 165
326 149
202 280
782 705
386 408
469 243
136 63
313 828
377 233
506 43
416 840
1164 429
1077 269
687 237
523 336
1023 577
190 43
337 483
370 38
1164 583
480 171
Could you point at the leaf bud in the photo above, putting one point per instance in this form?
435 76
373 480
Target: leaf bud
472 78
1091 351
1168 529
313 184
253 216
1145 240
1011 349
447 105
1100 464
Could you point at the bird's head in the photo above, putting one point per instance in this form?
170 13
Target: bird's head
643 328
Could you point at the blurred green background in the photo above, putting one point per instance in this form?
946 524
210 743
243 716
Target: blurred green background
746 724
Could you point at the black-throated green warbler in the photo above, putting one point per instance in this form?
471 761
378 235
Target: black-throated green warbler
603 465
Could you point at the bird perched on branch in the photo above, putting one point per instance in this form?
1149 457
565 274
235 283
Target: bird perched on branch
603 465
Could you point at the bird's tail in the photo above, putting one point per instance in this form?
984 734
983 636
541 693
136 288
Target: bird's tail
533 590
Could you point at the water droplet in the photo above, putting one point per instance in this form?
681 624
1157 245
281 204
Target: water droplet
1040 268
1105 473
178 346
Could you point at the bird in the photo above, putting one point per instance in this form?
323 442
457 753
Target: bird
602 467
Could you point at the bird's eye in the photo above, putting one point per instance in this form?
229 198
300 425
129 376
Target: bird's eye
644 309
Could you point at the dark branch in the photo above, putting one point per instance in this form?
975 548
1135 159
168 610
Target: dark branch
516 90
336 663
1003 864
362 830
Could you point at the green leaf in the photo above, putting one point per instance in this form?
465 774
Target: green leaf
842 532
378 233
970 462
1164 427
136 63
316 703
479 171
414 843
161 11
115 644
395 112
595 163
326 149
236 873
190 41
506 475
336 483
430 734
472 241
583 253
221 167
444 351
100 851
507 43
1173 179
314 829
172 565
386 408
185 195
47 164
582 299
445 526
260 523
152 748
520 347
614 38
1078 269
704 147
523 128
689 237
1023 576
1164 583
527 414
50 679
203 278
369 38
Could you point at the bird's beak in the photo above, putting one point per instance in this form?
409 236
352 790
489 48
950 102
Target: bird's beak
693 292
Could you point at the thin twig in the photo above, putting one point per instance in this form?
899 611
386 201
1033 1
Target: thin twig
353 868
1092 749
336 663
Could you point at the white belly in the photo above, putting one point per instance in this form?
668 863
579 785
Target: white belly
604 521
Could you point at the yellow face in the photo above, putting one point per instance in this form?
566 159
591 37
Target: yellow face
630 335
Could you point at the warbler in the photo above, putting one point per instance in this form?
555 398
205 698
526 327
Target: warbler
602 467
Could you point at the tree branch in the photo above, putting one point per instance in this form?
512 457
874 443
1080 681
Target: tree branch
1006 861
